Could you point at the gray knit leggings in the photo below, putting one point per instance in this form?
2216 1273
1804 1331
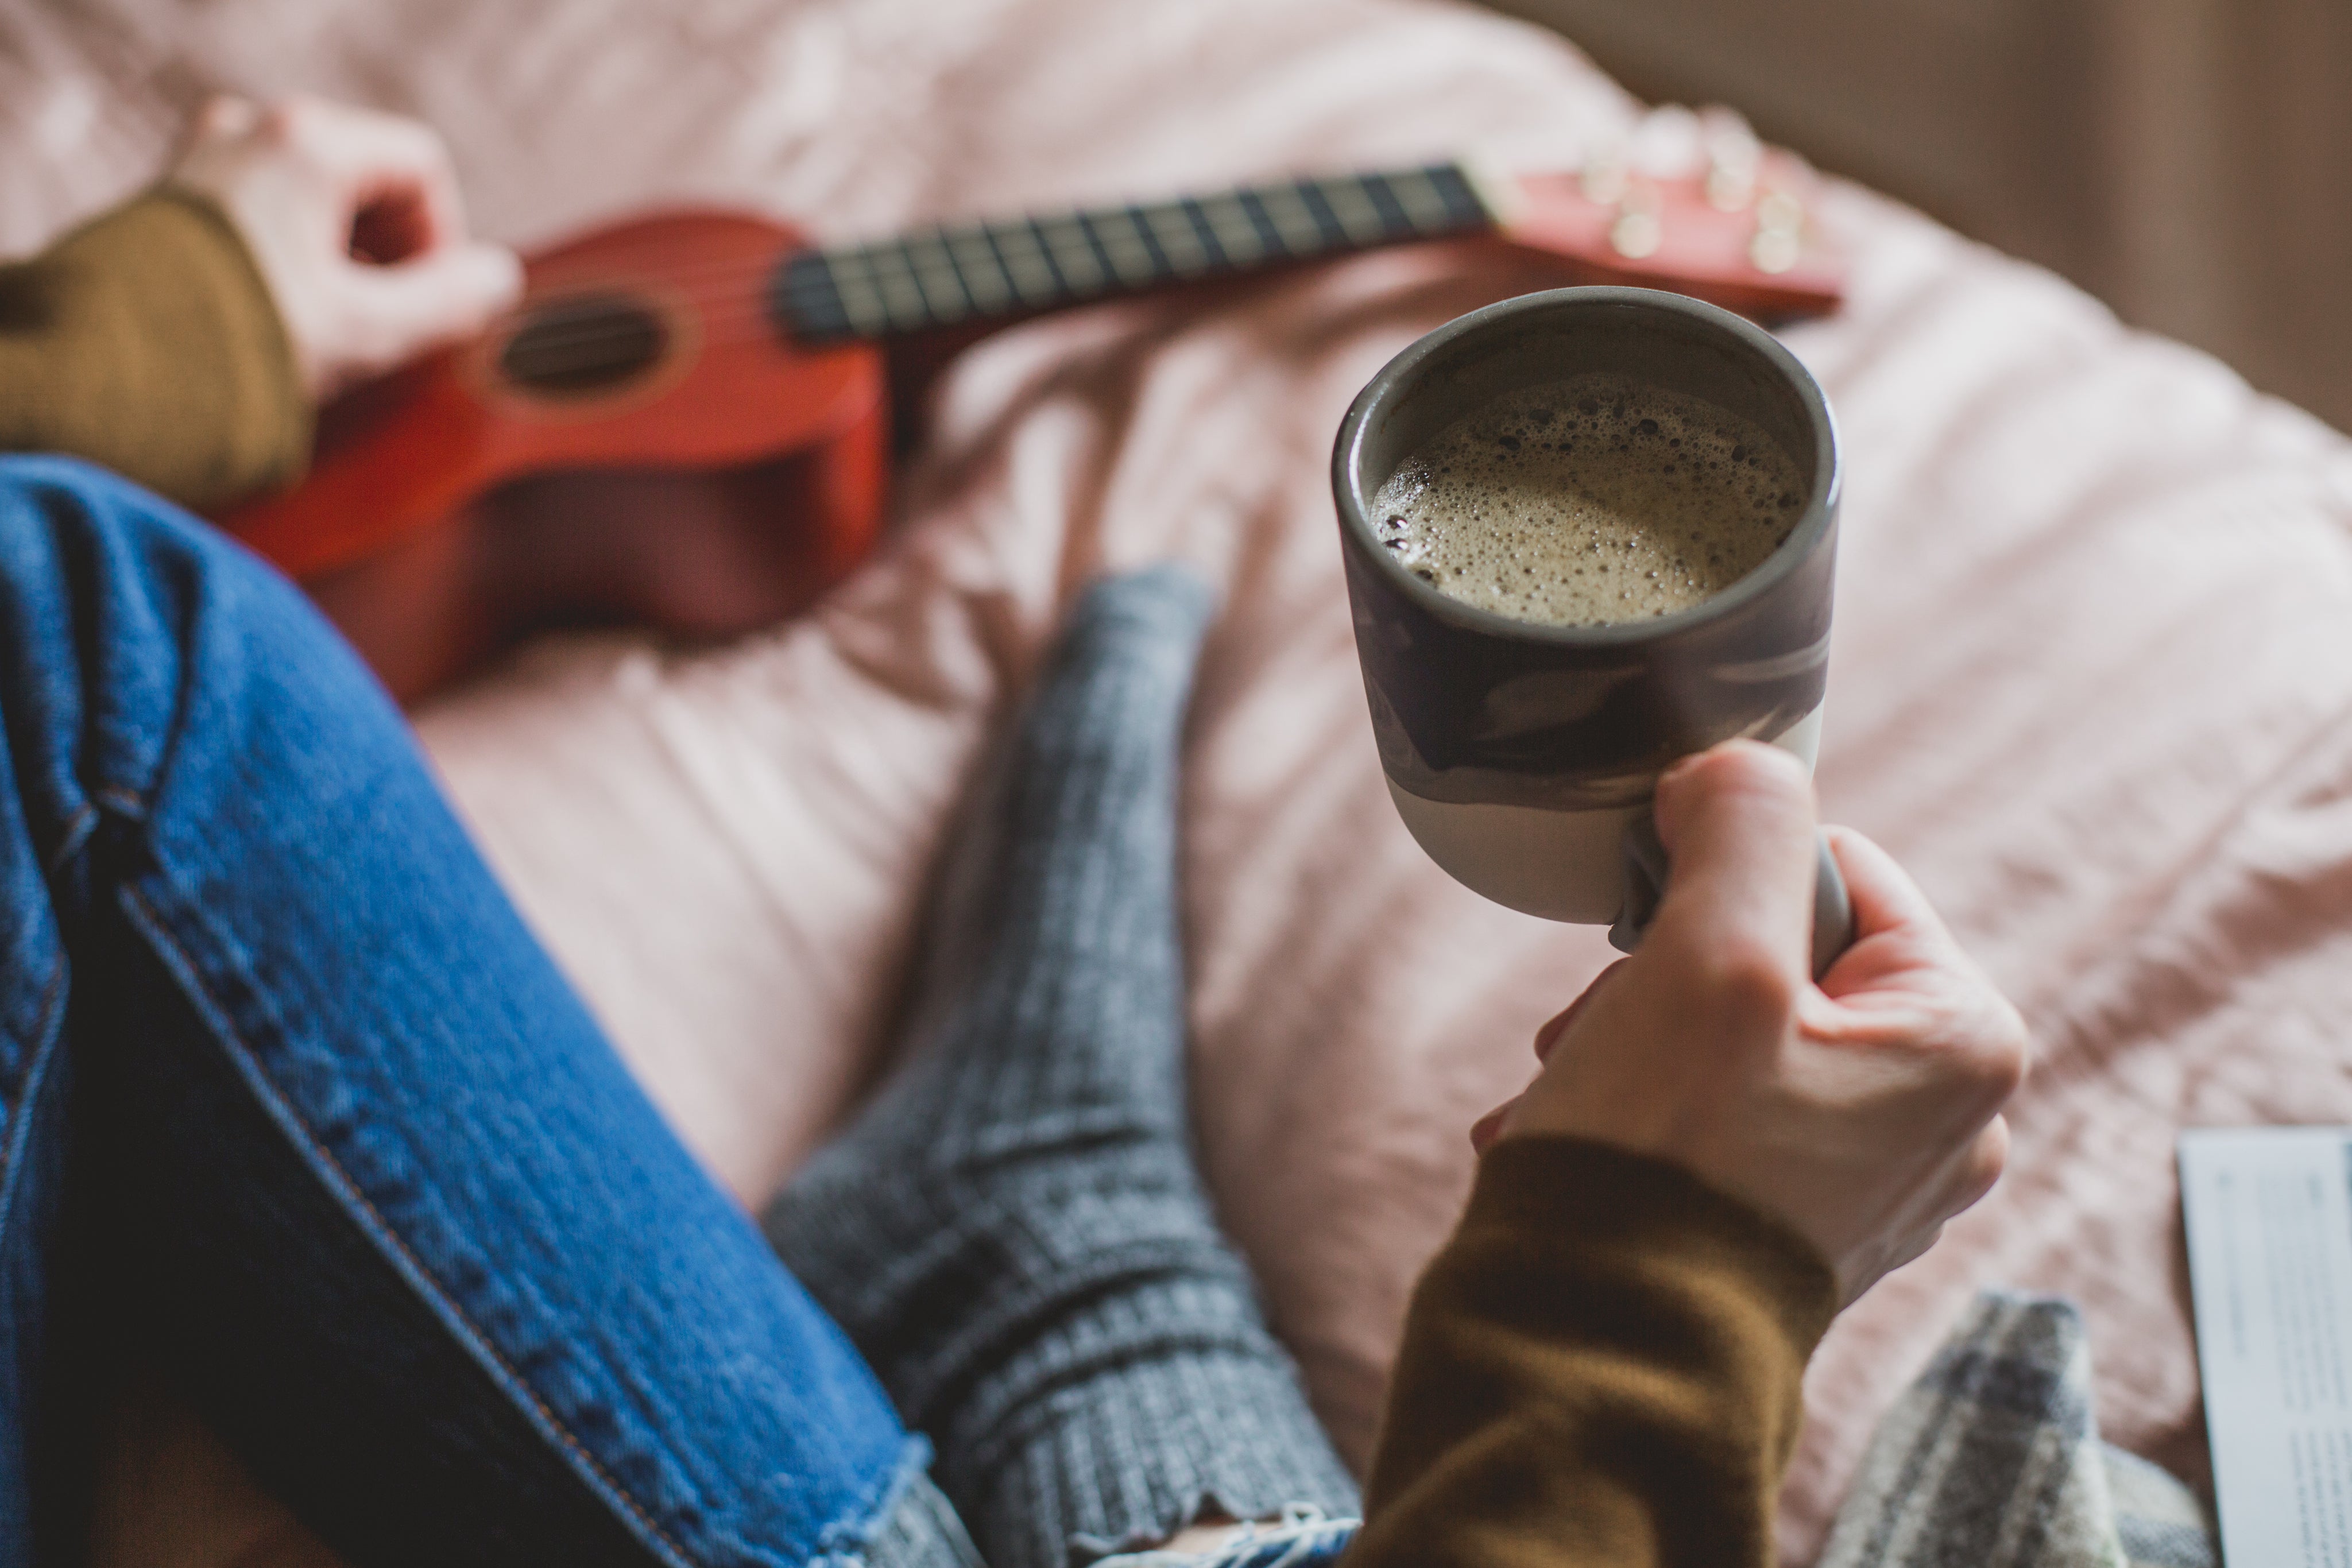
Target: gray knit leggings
1014 1232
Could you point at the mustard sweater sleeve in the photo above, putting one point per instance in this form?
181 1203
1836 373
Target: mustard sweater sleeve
1602 1368
147 341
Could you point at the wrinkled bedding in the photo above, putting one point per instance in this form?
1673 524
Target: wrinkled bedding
2091 679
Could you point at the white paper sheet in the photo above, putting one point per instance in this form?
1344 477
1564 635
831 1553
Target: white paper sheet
2269 1217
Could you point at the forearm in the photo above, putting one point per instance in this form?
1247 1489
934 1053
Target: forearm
148 342
1602 1368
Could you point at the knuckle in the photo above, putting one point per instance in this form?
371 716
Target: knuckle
286 127
1748 986
1971 1039
411 142
2003 1050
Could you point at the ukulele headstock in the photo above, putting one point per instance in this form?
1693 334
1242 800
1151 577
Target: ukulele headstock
1689 202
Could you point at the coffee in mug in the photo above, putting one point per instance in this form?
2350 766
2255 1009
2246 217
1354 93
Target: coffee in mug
1587 533
1589 501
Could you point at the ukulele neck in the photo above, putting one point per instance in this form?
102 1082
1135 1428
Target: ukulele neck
965 273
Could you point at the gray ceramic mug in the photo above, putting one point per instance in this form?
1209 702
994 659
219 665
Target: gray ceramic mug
1523 757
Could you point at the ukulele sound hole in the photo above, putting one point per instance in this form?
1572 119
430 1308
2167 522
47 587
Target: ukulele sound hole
583 344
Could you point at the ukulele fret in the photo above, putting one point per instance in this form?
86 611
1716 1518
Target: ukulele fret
939 273
1071 250
1358 218
1134 260
1023 256
1423 202
985 277
895 276
1179 237
1229 228
959 272
1294 225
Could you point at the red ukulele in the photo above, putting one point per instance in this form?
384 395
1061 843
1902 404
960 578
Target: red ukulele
685 423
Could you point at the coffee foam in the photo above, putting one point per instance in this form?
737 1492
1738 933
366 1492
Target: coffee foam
1590 502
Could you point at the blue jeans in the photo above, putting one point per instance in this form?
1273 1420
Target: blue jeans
295 1108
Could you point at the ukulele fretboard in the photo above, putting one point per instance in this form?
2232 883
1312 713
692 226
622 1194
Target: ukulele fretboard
971 271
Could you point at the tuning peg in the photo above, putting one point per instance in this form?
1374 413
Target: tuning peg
1638 230
1729 188
1779 213
1733 157
1668 144
1780 233
1774 253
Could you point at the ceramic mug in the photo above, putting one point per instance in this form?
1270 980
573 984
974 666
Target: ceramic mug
1521 756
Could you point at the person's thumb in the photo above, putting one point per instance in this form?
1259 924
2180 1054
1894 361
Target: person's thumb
1738 822
444 295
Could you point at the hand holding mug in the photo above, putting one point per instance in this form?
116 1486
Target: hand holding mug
1863 1112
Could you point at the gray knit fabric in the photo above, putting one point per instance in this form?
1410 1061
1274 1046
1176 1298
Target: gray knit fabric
1015 1233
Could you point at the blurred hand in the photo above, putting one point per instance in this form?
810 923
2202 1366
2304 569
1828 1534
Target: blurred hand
1864 1112
354 221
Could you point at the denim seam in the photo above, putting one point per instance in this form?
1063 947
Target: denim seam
122 798
421 1277
70 843
18 1132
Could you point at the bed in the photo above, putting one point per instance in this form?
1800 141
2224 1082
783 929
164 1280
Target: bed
2092 678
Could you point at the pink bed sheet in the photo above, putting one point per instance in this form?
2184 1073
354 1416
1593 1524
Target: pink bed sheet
2092 663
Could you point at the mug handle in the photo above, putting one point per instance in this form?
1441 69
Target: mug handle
1645 884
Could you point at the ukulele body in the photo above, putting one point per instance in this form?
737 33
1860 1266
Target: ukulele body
636 442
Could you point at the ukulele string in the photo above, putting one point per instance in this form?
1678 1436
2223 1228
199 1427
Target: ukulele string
726 309
755 287
765 267
746 312
750 315
753 319
741 304
737 301
722 281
